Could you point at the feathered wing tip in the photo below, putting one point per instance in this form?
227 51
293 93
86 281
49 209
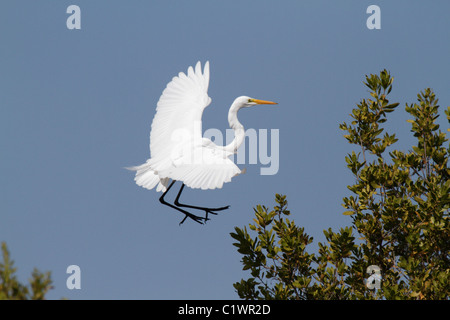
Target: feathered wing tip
206 74
200 78
148 179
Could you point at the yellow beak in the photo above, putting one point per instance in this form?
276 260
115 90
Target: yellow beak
257 101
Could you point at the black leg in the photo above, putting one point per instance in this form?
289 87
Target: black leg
190 215
207 210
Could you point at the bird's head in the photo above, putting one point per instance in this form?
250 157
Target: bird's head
245 102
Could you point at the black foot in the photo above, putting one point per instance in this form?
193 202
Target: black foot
197 219
211 211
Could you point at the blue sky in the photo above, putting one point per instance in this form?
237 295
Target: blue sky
76 108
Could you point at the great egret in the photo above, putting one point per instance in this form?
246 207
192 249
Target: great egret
178 150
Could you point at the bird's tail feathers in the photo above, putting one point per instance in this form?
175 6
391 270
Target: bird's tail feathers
147 178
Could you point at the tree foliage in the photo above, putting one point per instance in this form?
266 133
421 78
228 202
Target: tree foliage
12 289
400 218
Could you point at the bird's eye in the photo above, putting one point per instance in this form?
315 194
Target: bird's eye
250 100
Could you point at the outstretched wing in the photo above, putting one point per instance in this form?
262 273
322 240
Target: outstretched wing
178 115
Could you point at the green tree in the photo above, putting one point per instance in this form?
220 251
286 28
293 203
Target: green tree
12 289
400 218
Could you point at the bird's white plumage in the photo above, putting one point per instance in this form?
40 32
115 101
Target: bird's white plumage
177 148
179 112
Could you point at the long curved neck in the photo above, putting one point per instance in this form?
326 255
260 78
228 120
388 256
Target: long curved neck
239 131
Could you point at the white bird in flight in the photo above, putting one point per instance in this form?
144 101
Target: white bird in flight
178 150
